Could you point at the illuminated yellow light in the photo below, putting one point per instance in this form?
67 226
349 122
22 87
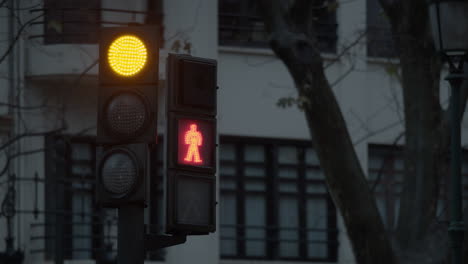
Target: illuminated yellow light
127 55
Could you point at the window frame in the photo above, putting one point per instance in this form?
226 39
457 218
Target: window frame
63 212
54 9
391 196
272 198
53 189
248 30
379 31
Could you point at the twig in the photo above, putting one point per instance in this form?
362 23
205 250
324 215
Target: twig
346 49
21 29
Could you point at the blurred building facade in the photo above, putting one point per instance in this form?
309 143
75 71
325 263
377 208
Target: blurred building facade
273 202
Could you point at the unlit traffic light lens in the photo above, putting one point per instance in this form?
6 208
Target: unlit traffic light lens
126 114
127 55
118 173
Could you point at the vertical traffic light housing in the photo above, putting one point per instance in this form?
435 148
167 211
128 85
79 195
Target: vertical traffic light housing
128 79
191 149
127 112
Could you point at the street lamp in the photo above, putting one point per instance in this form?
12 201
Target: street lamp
449 22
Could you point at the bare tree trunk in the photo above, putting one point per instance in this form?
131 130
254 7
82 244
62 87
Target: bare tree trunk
344 175
426 135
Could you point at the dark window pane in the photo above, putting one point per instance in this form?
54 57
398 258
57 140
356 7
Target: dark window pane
227 152
289 224
379 36
288 173
228 216
71 21
241 24
287 155
317 228
255 216
254 153
267 211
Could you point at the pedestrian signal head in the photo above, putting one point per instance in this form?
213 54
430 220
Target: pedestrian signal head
195 142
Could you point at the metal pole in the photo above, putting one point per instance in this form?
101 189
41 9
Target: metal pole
131 248
456 227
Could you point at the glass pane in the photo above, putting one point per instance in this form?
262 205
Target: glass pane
227 209
228 221
465 167
311 157
255 225
288 187
83 170
227 184
288 222
375 163
287 173
252 171
81 152
316 188
317 250
398 177
110 231
254 154
373 176
397 188
255 186
227 152
287 155
399 164
81 227
317 213
228 246
227 170
317 228
314 174
442 210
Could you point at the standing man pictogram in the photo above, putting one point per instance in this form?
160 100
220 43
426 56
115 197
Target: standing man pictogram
194 139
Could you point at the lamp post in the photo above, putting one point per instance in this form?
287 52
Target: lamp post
449 23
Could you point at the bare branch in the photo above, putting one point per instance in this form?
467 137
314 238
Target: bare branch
381 169
29 134
34 151
20 30
347 48
343 76
378 131
2 3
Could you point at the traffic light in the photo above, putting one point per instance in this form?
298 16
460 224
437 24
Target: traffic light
127 112
191 149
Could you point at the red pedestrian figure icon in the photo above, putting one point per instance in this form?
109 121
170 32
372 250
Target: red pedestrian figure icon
193 138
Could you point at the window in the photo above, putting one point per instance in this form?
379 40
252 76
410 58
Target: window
71 21
274 203
241 24
386 169
69 199
75 227
379 36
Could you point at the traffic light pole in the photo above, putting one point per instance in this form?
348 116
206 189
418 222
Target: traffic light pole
131 233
